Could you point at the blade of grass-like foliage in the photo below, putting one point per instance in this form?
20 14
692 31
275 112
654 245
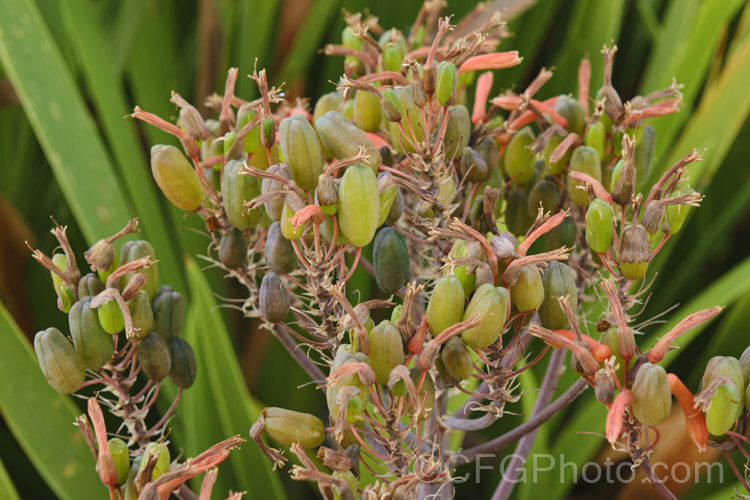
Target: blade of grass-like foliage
128 20
720 114
593 24
7 490
689 63
255 39
728 492
41 419
60 120
236 409
308 40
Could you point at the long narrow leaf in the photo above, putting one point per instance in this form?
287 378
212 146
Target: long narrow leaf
7 490
41 419
60 120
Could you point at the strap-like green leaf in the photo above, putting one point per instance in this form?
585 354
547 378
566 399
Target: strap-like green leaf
7 490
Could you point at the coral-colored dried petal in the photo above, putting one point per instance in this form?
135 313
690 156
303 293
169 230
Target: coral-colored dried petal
695 420
616 414
597 185
658 352
600 351
497 60
484 85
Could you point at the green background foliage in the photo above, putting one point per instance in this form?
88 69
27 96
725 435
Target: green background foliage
69 73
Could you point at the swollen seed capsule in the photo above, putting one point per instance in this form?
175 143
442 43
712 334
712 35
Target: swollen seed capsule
121 457
446 81
585 159
725 366
554 168
301 149
59 260
288 229
66 297
488 150
446 305
134 250
676 214
175 177
595 135
236 189
473 166
517 212
491 304
367 111
644 156
635 252
327 195
141 314
232 248
327 230
90 286
467 280
616 171
386 350
61 364
457 132
327 102
273 298
386 197
184 366
110 317
411 121
343 139
359 206
289 427
725 404
519 159
391 260
611 340
571 110
563 235
169 309
545 193
392 57
91 341
456 359
274 207
528 292
397 208
153 355
652 397
162 463
251 142
559 281
279 253
599 225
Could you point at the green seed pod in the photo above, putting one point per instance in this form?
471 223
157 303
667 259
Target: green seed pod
644 156
554 168
128 491
175 177
446 81
90 286
547 193
652 398
134 250
91 341
141 314
397 208
347 110
288 427
274 207
301 150
387 155
676 214
517 212
528 292
488 150
519 159
236 189
559 281
162 463
273 298
110 317
326 231
289 231
354 408
616 171
725 404
359 206
473 166
343 139
61 364
595 135
184 366
59 260
599 225
745 364
327 102
491 304
571 110
121 457
153 355
66 298
457 132
386 350
467 280
456 359
279 253
563 235
392 57
391 260
585 159
726 366
169 314
411 121
446 305
268 137
233 249
387 195
367 111
229 139
251 142
635 252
